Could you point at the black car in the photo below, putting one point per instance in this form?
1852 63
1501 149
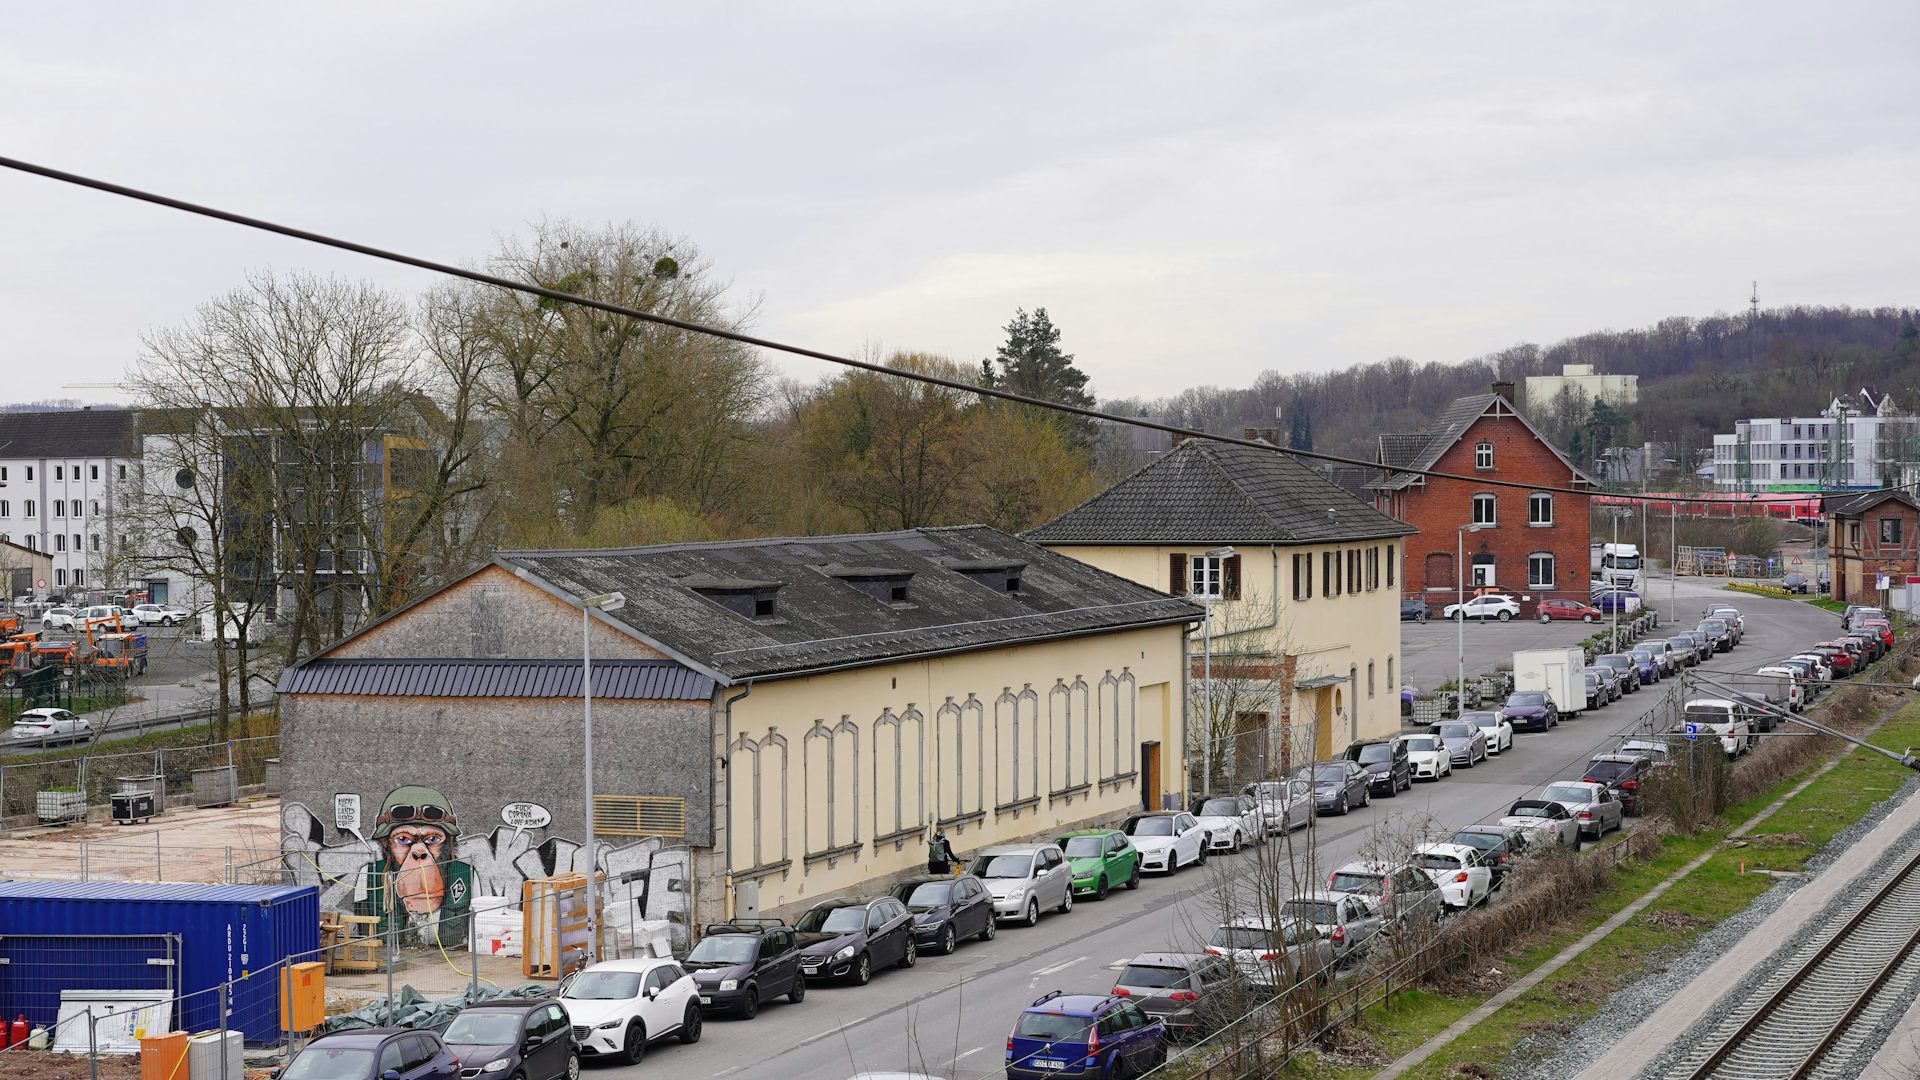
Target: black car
946 910
740 964
1701 647
1597 694
1388 770
1413 611
372 1054
532 1038
1624 773
1794 583
1717 632
1531 709
846 939
1623 664
1497 846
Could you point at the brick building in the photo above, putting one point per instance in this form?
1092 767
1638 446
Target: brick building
1534 544
1873 534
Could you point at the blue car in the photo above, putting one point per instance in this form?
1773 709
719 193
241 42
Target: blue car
1084 1035
1625 601
374 1054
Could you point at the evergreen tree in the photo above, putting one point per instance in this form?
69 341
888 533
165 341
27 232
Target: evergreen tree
1031 363
1299 425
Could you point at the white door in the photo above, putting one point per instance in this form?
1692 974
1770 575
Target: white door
1482 574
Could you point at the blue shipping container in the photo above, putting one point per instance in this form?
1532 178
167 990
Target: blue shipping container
100 935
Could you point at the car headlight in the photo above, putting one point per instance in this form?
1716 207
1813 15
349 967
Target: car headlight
729 984
609 1025
1017 892
845 953
497 1065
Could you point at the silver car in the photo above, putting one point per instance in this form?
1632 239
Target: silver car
1285 805
1466 742
1347 920
1271 954
1592 805
1023 879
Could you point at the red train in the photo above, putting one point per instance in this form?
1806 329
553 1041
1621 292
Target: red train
1787 506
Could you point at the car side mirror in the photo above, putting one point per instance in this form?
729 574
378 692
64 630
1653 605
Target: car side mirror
652 992
529 1046
1037 871
390 1074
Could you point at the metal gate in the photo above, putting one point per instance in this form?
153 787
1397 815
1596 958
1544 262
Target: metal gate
36 968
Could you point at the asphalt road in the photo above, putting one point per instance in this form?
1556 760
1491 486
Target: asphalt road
949 1016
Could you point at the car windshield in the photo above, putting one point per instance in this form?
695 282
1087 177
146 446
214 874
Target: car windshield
1246 937
1612 660
1317 912
1605 771
1573 793
722 949
1002 866
1528 698
1530 811
836 920
1360 883
1325 773
929 894
1434 860
605 985
1152 976
487 1028
1713 626
1642 655
1375 753
1419 743
1483 719
1592 679
1456 731
330 1063
1220 808
1150 826
1052 1027
1087 847
1483 841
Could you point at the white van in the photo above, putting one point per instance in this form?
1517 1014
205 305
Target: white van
1723 718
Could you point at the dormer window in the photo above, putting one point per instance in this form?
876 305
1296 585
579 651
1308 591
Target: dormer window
887 584
1001 577
749 599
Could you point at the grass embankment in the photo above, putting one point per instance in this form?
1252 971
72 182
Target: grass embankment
1722 886
1822 602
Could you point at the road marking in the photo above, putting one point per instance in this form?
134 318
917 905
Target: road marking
1060 967
966 1054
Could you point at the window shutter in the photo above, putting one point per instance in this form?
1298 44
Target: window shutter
1230 578
1177 575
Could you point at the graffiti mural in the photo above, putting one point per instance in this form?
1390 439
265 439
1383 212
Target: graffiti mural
420 873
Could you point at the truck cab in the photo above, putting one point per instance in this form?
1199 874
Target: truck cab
1620 565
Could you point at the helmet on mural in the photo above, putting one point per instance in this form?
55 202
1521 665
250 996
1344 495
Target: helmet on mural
414 804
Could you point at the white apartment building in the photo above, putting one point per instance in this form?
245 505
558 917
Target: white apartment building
1857 442
1616 390
62 475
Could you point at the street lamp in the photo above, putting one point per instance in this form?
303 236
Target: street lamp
1206 670
612 601
1460 611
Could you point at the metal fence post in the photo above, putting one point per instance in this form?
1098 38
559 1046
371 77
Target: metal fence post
390 937
229 866
159 870
473 956
223 1031
229 753
83 860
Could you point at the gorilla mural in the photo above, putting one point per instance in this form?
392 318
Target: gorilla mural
417 887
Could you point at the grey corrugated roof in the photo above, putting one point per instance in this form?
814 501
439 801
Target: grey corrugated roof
652 680
822 621
76 433
1859 504
1219 493
1447 430
1400 449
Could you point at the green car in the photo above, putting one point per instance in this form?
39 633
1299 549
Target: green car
1101 859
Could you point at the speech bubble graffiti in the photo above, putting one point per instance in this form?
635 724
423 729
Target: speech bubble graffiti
521 816
346 814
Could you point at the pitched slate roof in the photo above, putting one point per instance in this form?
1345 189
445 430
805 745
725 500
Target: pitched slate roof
79 433
822 621
1353 479
1855 505
1447 429
654 680
1397 449
1220 493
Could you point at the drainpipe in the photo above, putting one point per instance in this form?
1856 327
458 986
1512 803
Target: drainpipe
726 770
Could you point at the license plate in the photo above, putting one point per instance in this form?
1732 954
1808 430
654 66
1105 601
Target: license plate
705 1000
1045 1063
810 968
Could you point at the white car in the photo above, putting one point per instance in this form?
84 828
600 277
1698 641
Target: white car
59 618
1546 821
102 613
150 614
1821 669
617 1007
1722 718
1593 806
1231 821
51 725
1456 868
1653 751
1495 726
1025 878
1490 606
1167 840
1428 756
1790 690
1285 805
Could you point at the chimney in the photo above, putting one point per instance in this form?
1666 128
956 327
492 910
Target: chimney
1504 388
1270 434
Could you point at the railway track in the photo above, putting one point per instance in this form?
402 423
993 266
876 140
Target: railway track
1813 1015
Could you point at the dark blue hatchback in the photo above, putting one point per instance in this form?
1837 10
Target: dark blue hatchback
1084 1035
373 1054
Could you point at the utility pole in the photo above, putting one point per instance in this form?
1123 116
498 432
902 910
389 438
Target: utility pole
1753 322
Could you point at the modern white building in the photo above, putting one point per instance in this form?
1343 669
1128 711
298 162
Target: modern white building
1616 390
62 479
1859 441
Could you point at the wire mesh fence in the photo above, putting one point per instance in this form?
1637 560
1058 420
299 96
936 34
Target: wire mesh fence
209 774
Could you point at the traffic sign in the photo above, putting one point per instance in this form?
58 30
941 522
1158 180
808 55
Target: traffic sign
1796 560
41 584
1692 730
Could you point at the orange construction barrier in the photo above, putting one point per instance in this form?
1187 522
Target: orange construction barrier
164 1057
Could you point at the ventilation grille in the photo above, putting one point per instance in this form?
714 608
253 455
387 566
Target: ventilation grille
639 815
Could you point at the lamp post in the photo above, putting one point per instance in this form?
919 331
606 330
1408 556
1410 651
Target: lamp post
612 601
1460 612
1207 598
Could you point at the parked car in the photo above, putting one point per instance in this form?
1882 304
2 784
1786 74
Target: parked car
1599 688
151 614
1084 1035
1024 878
1490 606
1427 756
947 911
1839 658
1612 601
849 938
1465 741
1285 805
1413 611
1623 665
738 965
1273 953
1645 664
1654 750
1100 859
1870 644
1726 613
1175 989
1388 769
372 1054
1723 718
1805 680
531 1040
1401 893
1622 774
1718 633
1546 819
1758 709
1167 841
59 618
1698 648
1338 786
1592 805
1568 610
1878 626
1531 709
50 725
1794 583
1497 845
1348 920
1456 868
1822 667
1231 821
1610 687
1494 727
1664 651
618 1007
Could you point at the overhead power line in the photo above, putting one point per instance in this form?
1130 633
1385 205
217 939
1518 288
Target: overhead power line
560 296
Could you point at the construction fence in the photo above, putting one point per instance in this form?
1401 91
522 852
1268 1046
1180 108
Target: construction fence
210 774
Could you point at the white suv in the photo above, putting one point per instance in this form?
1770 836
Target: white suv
1490 606
617 1007
59 618
148 614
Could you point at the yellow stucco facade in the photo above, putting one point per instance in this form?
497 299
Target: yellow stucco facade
833 781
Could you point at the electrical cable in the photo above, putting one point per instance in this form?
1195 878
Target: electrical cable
494 280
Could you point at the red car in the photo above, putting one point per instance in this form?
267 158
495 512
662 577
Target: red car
1551 610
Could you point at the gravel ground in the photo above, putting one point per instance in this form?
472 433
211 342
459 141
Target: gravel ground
1556 1056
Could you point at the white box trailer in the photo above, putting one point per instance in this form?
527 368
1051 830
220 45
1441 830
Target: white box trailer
1557 672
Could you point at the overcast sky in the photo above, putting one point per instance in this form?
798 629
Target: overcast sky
1196 191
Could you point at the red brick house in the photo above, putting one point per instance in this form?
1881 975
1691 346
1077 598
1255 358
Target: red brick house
1872 534
1535 545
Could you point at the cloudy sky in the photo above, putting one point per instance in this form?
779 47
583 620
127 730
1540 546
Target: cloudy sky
1196 191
